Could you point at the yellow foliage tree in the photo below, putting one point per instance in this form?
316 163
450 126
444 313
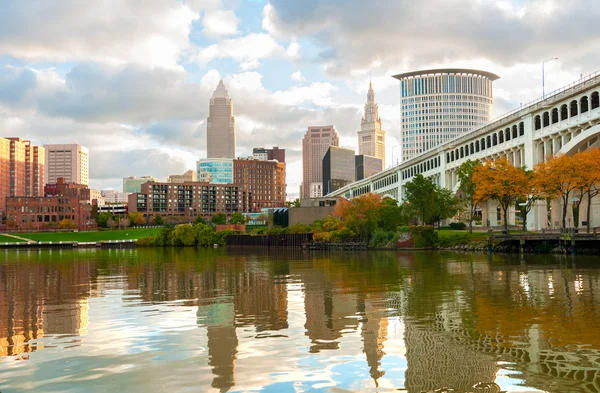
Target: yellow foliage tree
67 224
589 172
560 177
499 180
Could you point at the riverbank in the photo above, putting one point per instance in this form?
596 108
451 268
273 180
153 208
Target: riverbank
79 237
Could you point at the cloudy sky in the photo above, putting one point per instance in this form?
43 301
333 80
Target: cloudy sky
131 79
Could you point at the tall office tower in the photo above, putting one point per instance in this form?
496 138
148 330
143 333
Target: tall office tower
440 105
69 161
371 138
134 183
338 168
220 125
315 144
367 166
21 169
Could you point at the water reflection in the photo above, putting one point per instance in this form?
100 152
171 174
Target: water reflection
239 321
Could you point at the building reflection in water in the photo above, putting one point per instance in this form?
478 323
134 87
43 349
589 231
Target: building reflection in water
462 316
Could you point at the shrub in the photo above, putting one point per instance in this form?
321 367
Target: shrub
424 236
458 225
184 235
205 235
403 229
341 235
322 237
148 241
165 236
381 238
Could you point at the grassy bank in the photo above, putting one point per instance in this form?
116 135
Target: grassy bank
8 239
124 234
453 238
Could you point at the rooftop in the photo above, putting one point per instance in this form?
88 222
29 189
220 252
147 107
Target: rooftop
438 71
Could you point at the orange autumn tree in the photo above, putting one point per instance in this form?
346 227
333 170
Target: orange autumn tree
500 181
559 177
589 172
360 214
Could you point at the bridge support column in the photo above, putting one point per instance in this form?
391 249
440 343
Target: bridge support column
489 212
537 218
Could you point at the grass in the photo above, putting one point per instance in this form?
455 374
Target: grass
8 239
124 234
453 237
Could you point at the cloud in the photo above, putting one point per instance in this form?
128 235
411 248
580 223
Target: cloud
351 34
220 22
111 31
248 50
297 76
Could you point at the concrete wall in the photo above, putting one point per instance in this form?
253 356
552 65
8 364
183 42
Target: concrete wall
308 215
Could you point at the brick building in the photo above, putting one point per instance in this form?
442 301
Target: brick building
21 169
36 213
60 188
264 179
189 199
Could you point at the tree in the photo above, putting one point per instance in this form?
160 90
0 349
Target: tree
559 177
525 202
445 204
360 214
67 224
184 235
204 234
219 219
237 218
468 187
111 223
124 222
94 213
589 171
103 219
391 216
137 218
499 180
420 194
158 220
199 220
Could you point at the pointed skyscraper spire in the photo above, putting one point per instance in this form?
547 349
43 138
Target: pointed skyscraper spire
220 91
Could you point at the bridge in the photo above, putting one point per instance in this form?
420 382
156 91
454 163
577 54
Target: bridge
565 121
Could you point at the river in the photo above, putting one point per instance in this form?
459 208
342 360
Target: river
187 320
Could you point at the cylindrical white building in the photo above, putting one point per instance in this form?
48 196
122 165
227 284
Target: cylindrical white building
439 105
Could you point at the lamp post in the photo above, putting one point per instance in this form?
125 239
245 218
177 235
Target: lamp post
393 153
543 85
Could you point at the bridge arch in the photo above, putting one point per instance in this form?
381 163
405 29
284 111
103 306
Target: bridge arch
574 108
595 98
592 134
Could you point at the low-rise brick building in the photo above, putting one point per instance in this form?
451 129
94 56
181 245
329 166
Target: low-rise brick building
189 199
61 188
38 213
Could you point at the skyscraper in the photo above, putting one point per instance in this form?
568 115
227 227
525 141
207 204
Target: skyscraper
440 105
371 138
338 168
315 144
220 125
69 161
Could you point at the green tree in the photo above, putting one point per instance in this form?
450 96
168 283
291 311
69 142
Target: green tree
391 216
165 236
219 219
184 235
204 234
445 204
103 219
237 218
199 220
468 188
94 213
158 220
420 193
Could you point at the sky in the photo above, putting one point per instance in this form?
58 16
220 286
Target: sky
131 80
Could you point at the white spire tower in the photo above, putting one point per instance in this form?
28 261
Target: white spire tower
371 138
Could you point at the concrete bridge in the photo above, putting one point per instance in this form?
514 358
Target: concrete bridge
565 121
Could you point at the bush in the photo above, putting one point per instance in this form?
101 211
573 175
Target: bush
403 229
424 236
184 236
205 235
382 238
322 237
458 225
165 236
149 241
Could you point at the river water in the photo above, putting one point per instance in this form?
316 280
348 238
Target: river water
185 320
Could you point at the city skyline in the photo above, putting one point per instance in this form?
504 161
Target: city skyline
137 95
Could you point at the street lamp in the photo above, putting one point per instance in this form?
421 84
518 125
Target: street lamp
393 147
543 87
